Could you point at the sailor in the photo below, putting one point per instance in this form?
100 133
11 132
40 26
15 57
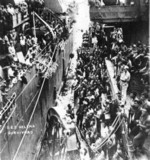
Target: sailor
85 39
11 49
121 2
144 125
23 44
124 82
84 155
134 116
94 41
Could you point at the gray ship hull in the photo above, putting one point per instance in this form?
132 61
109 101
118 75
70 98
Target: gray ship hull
14 143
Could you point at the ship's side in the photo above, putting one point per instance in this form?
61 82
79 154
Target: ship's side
24 122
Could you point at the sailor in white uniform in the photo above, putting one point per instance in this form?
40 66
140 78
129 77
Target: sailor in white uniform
124 83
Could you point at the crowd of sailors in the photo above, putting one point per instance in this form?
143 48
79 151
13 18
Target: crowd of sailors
59 26
97 107
7 11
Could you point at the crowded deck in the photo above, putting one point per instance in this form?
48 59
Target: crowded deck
88 87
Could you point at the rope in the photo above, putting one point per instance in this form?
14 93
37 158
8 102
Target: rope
40 54
30 80
31 102
106 139
25 87
29 121
16 105
114 132
32 112
113 125
8 104
24 90
19 97
104 142
78 134
114 122
20 119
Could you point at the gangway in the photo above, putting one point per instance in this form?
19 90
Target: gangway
115 91
112 80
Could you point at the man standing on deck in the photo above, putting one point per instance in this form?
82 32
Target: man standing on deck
124 82
144 128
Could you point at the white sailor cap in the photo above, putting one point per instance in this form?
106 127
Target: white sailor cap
126 67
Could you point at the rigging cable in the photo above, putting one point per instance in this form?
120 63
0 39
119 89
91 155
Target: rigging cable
29 121
33 111
112 132
25 86
105 141
16 105
24 90
114 125
39 55
8 104
19 121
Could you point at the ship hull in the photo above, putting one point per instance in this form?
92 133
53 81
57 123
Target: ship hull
14 144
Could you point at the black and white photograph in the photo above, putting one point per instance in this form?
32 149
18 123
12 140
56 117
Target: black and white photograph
74 80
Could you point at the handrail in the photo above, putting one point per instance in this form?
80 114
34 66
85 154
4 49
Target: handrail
116 123
24 90
109 137
20 144
113 82
45 23
124 136
29 81
54 14
112 132
20 120
16 105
